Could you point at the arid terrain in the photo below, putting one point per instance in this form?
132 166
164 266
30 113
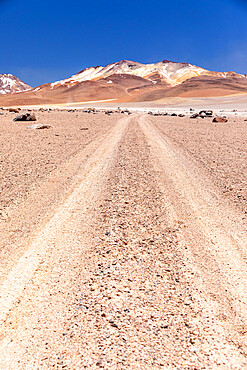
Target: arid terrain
123 241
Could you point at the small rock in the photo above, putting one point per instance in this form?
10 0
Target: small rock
39 126
113 324
220 119
206 113
195 115
14 110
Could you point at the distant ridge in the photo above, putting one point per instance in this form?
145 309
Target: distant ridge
127 80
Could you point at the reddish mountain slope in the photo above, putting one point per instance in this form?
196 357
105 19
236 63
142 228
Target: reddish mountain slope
131 81
207 86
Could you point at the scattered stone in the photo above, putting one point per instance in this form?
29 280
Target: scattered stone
195 115
39 126
202 115
14 110
113 324
206 113
25 117
158 114
125 111
181 115
220 120
90 110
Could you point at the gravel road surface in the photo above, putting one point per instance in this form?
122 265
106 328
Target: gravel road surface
126 247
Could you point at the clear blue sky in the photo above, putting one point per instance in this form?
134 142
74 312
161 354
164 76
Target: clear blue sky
43 41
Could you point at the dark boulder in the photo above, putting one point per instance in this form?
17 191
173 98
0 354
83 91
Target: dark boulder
25 117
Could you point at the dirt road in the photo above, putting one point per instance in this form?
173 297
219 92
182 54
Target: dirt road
141 265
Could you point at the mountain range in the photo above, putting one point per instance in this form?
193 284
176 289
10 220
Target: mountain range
125 81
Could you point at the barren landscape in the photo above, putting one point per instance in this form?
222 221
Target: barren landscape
123 241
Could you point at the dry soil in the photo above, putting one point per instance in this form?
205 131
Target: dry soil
123 243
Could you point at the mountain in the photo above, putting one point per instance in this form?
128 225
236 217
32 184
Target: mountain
166 71
12 84
201 86
127 81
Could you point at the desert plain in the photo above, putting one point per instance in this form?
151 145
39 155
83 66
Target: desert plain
123 237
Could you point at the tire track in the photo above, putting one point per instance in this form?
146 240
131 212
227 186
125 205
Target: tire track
88 189
214 237
115 287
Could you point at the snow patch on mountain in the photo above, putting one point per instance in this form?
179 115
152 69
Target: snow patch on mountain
12 84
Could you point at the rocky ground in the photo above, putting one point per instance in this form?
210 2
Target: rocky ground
39 167
219 148
28 156
125 247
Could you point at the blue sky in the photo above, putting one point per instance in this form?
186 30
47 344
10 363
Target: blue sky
43 41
